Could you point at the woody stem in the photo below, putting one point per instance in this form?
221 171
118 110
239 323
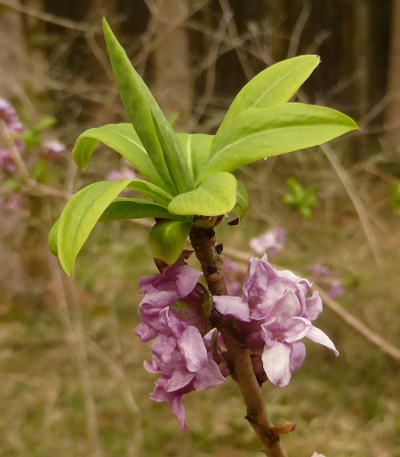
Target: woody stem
203 241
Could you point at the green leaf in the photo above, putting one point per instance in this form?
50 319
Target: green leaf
242 200
273 86
153 128
52 240
134 208
151 190
80 215
130 86
195 150
259 133
167 240
215 195
123 139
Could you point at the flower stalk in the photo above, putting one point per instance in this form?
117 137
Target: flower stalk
204 244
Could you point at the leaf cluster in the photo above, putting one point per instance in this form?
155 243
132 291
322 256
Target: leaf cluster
187 175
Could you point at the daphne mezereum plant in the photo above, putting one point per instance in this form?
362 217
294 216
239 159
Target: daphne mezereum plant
201 334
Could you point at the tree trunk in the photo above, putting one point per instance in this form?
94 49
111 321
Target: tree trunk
172 82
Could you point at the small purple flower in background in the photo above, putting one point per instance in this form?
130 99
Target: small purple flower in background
116 175
271 241
336 289
318 270
6 160
172 313
53 149
13 203
9 116
275 314
323 275
231 275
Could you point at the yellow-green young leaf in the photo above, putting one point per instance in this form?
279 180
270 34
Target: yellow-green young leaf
196 150
123 139
80 215
152 191
259 133
153 128
273 86
134 208
52 239
242 200
167 239
214 196
135 102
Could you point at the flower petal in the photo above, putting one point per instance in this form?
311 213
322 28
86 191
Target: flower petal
178 410
313 306
233 306
163 348
145 333
297 356
186 279
178 380
295 328
208 377
193 349
276 363
318 336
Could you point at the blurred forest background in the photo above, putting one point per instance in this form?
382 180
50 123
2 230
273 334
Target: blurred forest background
71 367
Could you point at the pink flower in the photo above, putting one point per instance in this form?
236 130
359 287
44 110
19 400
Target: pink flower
13 203
10 117
231 275
336 289
317 455
184 364
172 313
6 160
318 270
125 173
53 149
272 241
274 315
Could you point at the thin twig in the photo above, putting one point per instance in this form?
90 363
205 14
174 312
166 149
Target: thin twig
47 17
74 334
298 28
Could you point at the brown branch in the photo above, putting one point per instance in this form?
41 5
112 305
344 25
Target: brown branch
203 242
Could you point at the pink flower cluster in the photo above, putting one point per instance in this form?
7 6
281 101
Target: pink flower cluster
11 129
270 241
13 126
323 274
172 315
274 314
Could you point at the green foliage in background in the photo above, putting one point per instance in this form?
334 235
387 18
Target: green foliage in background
302 198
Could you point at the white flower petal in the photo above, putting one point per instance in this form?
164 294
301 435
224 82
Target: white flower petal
318 336
276 363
